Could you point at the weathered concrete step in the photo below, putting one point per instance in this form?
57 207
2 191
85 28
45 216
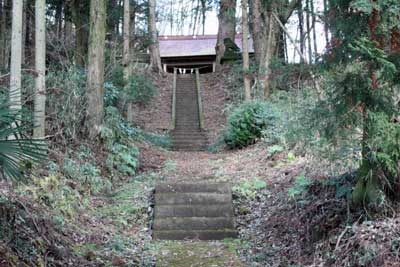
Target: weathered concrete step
188 140
190 147
187 118
193 223
221 188
192 198
209 211
188 125
187 130
189 108
199 144
201 235
184 120
187 111
186 92
188 136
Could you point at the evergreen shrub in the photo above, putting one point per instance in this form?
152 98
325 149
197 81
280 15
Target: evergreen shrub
246 124
140 90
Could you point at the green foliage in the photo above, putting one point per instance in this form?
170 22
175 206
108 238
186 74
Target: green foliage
66 104
18 151
355 101
119 137
140 90
272 150
123 158
111 94
360 105
246 124
300 187
116 77
250 188
87 176
56 192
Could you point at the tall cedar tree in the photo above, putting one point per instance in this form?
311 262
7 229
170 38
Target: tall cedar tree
226 28
95 72
40 67
363 89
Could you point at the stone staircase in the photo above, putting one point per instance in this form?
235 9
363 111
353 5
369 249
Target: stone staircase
187 135
193 211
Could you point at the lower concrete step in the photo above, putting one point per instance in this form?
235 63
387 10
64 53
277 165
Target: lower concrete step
200 235
193 223
194 211
187 142
189 149
222 188
192 198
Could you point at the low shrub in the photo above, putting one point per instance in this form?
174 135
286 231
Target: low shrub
140 89
246 124
123 158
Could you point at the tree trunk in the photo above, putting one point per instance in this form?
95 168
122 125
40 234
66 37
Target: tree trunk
16 54
258 30
196 15
40 67
23 38
3 28
245 51
326 31
226 27
310 55
112 20
266 35
58 19
95 73
301 28
367 188
270 50
126 55
281 45
154 47
203 14
314 29
80 19
29 35
7 33
126 34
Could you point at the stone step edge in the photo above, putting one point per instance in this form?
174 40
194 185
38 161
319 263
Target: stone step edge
192 198
193 223
223 188
195 234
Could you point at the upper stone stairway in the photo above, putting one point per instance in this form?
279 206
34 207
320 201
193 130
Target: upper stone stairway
187 134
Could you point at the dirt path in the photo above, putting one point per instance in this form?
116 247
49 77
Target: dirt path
260 181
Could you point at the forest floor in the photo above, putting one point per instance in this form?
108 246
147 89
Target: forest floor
287 212
254 176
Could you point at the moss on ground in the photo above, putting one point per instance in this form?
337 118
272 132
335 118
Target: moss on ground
198 254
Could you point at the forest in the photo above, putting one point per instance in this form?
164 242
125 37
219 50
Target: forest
200 133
